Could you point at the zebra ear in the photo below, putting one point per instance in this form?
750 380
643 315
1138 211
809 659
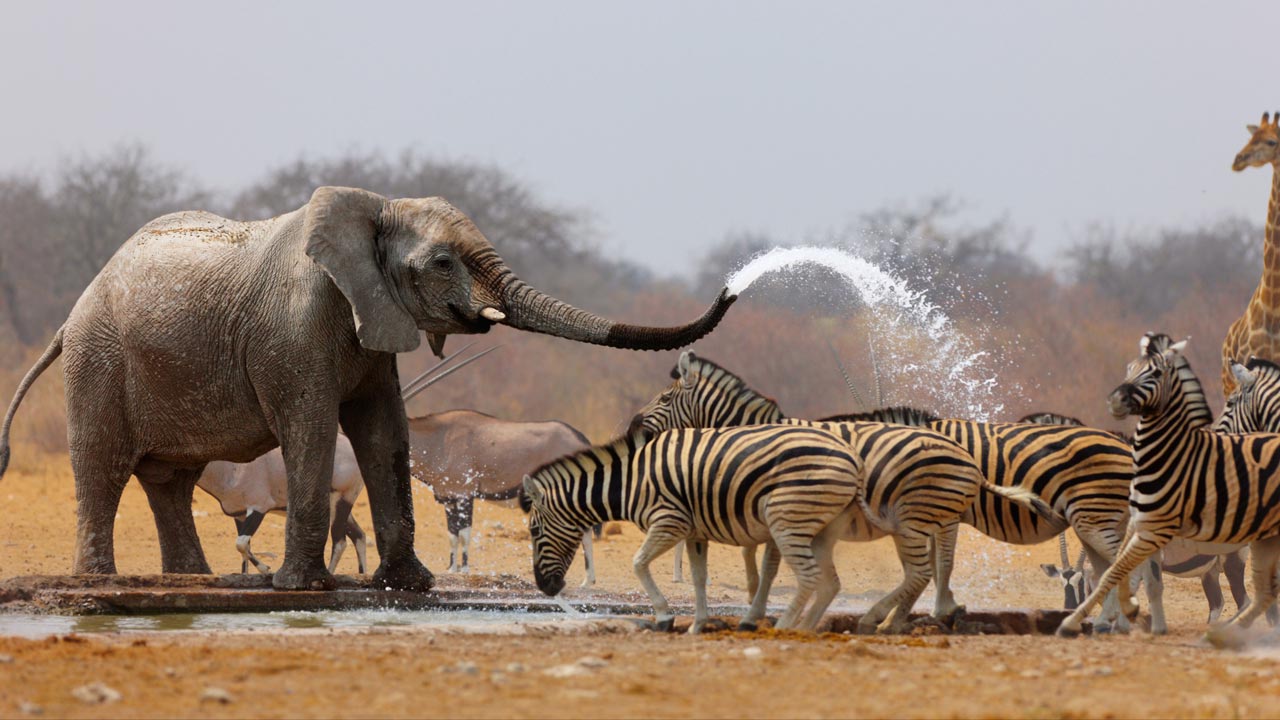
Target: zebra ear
686 368
1179 347
1243 375
532 493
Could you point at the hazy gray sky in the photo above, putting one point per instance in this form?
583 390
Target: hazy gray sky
674 122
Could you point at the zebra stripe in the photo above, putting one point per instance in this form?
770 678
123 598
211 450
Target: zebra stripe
794 487
919 483
1082 474
1254 406
1180 558
1192 482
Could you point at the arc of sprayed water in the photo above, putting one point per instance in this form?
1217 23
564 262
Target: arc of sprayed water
948 361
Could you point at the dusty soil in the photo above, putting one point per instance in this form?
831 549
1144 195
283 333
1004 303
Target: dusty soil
535 671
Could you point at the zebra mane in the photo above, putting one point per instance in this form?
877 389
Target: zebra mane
1257 363
896 415
724 378
620 447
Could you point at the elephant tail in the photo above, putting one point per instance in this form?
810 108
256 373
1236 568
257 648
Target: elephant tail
50 354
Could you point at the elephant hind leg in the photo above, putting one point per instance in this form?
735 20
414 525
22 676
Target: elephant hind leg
99 485
170 499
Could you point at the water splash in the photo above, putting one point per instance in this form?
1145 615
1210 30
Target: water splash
924 348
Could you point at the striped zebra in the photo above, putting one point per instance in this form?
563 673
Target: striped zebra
794 487
1180 558
1190 481
1254 405
1082 474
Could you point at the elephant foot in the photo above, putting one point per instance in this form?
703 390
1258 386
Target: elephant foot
303 575
407 574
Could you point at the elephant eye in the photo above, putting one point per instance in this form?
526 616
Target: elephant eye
443 264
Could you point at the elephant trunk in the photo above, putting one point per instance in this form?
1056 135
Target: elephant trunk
527 308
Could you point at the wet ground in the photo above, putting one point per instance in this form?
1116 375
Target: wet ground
388 665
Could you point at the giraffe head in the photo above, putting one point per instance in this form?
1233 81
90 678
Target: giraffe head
1263 147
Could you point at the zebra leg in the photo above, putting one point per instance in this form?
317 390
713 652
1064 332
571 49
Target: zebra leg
753 573
760 602
588 557
1153 580
246 528
1140 546
943 548
677 567
662 536
1101 548
913 553
797 550
828 581
1263 556
698 570
1233 567
1212 586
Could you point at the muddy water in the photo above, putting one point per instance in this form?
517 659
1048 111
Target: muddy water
39 626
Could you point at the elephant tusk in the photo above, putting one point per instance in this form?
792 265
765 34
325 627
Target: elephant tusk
493 314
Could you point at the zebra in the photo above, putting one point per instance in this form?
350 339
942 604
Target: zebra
795 487
1190 481
1180 558
1254 405
1082 474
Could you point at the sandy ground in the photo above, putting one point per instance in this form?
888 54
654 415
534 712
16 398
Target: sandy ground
495 673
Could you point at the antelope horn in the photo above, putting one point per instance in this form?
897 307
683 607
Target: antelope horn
409 385
1062 548
875 371
432 381
1080 561
845 374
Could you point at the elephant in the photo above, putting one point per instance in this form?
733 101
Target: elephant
205 339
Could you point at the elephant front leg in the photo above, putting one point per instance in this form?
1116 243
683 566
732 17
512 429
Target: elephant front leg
308 458
379 433
170 500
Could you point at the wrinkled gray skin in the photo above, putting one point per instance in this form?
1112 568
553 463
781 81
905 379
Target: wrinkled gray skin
464 456
210 339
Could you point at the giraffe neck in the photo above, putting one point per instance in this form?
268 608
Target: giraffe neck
1270 286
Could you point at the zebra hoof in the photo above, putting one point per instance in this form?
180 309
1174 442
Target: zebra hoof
668 625
748 626
1068 632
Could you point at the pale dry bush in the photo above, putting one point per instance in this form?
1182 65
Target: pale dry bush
41 424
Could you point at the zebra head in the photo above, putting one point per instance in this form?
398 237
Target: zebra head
704 395
555 533
1254 406
1149 379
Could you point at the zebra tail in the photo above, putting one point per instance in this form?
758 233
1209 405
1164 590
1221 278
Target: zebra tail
1025 498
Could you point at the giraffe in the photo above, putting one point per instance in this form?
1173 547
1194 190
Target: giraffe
1257 332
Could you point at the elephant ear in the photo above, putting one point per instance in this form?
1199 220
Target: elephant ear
342 232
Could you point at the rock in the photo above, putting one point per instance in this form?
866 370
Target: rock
516 667
752 652
1103 671
566 671
592 663
5 659
215 695
96 693
29 708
